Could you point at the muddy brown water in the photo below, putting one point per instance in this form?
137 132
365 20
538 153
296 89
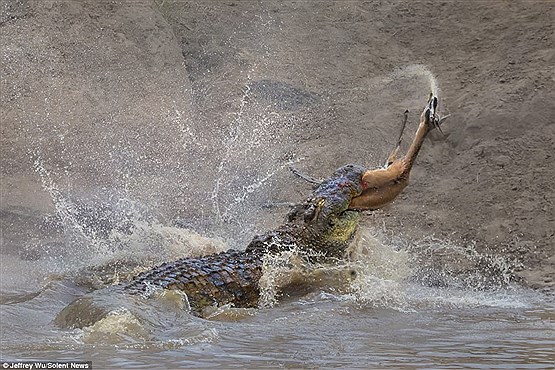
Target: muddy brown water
389 316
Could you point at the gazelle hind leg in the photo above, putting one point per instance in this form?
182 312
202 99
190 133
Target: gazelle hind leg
393 155
305 177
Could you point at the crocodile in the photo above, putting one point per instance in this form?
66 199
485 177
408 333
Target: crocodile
323 226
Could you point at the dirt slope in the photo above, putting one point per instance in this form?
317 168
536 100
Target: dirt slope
196 108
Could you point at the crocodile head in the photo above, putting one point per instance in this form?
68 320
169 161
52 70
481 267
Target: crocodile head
323 224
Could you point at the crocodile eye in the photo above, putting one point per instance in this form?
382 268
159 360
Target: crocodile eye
310 213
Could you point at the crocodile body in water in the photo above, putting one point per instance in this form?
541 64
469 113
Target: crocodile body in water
322 228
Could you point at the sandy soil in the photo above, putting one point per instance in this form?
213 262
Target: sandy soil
184 105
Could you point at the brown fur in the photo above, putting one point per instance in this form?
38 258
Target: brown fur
381 186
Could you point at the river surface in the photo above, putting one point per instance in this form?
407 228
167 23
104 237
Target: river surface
390 315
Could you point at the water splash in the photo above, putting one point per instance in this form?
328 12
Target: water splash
250 161
431 273
441 263
385 274
115 236
210 335
118 326
382 273
232 139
